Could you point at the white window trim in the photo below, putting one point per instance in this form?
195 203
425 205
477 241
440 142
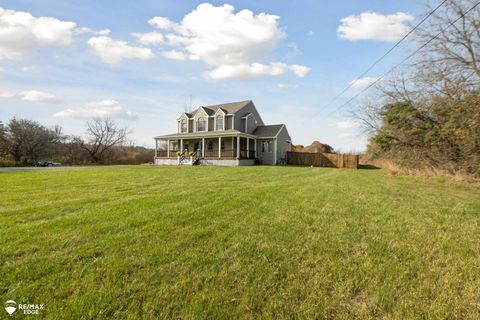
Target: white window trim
215 123
179 121
195 119
196 124
181 127
219 110
269 143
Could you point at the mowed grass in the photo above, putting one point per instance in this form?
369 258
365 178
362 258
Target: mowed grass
239 243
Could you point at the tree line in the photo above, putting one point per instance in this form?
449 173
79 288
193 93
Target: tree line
428 115
25 142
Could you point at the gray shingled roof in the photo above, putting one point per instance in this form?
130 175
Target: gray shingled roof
267 131
228 108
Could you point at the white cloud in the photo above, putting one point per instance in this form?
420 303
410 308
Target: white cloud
254 70
175 55
162 23
114 51
175 78
7 94
32 96
286 86
103 32
231 43
31 68
39 96
374 26
300 71
311 33
345 123
219 36
149 38
294 50
21 33
362 83
83 30
105 108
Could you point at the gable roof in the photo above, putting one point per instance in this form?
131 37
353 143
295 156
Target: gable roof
268 131
228 108
207 111
186 114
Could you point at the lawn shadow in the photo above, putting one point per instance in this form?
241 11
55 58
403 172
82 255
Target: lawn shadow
368 167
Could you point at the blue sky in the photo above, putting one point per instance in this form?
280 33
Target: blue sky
64 61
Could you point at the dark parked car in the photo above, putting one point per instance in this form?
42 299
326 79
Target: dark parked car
47 164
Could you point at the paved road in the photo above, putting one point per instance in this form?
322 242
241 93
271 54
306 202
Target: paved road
45 168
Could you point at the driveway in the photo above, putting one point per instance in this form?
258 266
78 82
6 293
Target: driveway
7 169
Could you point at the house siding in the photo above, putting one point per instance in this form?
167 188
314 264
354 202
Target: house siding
265 157
190 125
228 122
251 124
283 145
211 125
279 148
249 108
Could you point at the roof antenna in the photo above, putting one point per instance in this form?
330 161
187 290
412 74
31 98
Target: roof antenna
188 103
190 106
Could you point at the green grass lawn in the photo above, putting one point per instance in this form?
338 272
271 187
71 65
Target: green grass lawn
247 242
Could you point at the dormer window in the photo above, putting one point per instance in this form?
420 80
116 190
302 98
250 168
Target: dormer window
219 122
201 124
183 126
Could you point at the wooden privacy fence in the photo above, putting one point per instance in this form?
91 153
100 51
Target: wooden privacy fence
333 160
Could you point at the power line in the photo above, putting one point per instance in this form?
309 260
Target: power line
384 55
408 57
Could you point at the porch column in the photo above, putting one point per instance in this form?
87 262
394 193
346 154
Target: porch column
238 147
255 147
181 145
219 147
168 148
203 147
156 147
248 147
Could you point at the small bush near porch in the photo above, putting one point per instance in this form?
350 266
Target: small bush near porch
239 243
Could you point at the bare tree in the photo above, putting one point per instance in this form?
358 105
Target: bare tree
3 132
452 57
449 66
368 116
27 140
103 135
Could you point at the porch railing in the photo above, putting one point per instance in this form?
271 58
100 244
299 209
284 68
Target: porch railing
229 154
212 154
164 153
224 154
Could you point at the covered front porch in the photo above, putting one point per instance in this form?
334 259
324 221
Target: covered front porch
206 148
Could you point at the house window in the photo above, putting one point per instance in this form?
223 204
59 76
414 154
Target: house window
183 125
201 124
266 146
210 145
219 123
244 125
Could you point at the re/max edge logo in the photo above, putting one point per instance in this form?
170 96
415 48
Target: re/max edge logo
28 308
